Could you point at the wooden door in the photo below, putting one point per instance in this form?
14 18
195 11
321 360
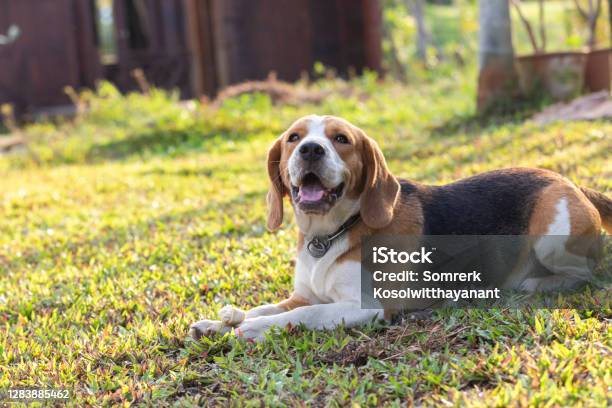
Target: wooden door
247 39
51 52
151 35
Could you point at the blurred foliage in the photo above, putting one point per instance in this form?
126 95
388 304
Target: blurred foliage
453 37
566 30
454 28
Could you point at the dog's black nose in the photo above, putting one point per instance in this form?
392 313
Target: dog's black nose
311 151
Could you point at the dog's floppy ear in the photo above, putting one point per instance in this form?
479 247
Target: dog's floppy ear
277 189
381 189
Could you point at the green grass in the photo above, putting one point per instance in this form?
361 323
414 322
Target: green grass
145 215
131 222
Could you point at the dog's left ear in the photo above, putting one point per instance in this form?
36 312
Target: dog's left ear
277 188
381 190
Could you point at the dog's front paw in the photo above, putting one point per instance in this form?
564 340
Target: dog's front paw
253 329
231 316
207 328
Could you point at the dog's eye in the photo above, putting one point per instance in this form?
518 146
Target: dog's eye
340 138
293 137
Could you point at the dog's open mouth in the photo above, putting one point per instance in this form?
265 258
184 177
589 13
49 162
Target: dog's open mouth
312 196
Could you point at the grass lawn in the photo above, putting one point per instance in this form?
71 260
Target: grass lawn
144 216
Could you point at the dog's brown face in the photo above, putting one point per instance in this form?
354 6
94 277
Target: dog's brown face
321 162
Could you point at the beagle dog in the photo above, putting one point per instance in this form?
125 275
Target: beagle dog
341 189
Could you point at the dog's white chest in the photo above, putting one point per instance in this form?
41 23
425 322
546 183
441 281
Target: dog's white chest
324 277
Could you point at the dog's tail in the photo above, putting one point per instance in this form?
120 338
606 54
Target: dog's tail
603 205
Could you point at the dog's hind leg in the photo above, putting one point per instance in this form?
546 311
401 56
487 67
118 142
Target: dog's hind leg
569 259
568 228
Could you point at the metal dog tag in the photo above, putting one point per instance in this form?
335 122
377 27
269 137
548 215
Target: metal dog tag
318 247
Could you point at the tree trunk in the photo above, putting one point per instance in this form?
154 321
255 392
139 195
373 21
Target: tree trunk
610 19
497 80
594 11
416 8
397 67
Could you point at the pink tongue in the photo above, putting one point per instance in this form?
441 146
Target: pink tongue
311 193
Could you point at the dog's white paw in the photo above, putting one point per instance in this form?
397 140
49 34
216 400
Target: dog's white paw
207 328
253 329
231 316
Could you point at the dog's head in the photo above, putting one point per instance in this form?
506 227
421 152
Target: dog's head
330 169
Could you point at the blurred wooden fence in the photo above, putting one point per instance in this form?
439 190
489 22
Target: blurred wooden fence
196 46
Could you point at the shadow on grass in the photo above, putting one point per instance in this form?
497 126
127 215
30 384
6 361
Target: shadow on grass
181 172
162 142
474 124
444 141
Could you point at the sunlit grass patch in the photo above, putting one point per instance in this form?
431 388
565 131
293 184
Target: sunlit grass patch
146 214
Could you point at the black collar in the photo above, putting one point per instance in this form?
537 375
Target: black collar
318 246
